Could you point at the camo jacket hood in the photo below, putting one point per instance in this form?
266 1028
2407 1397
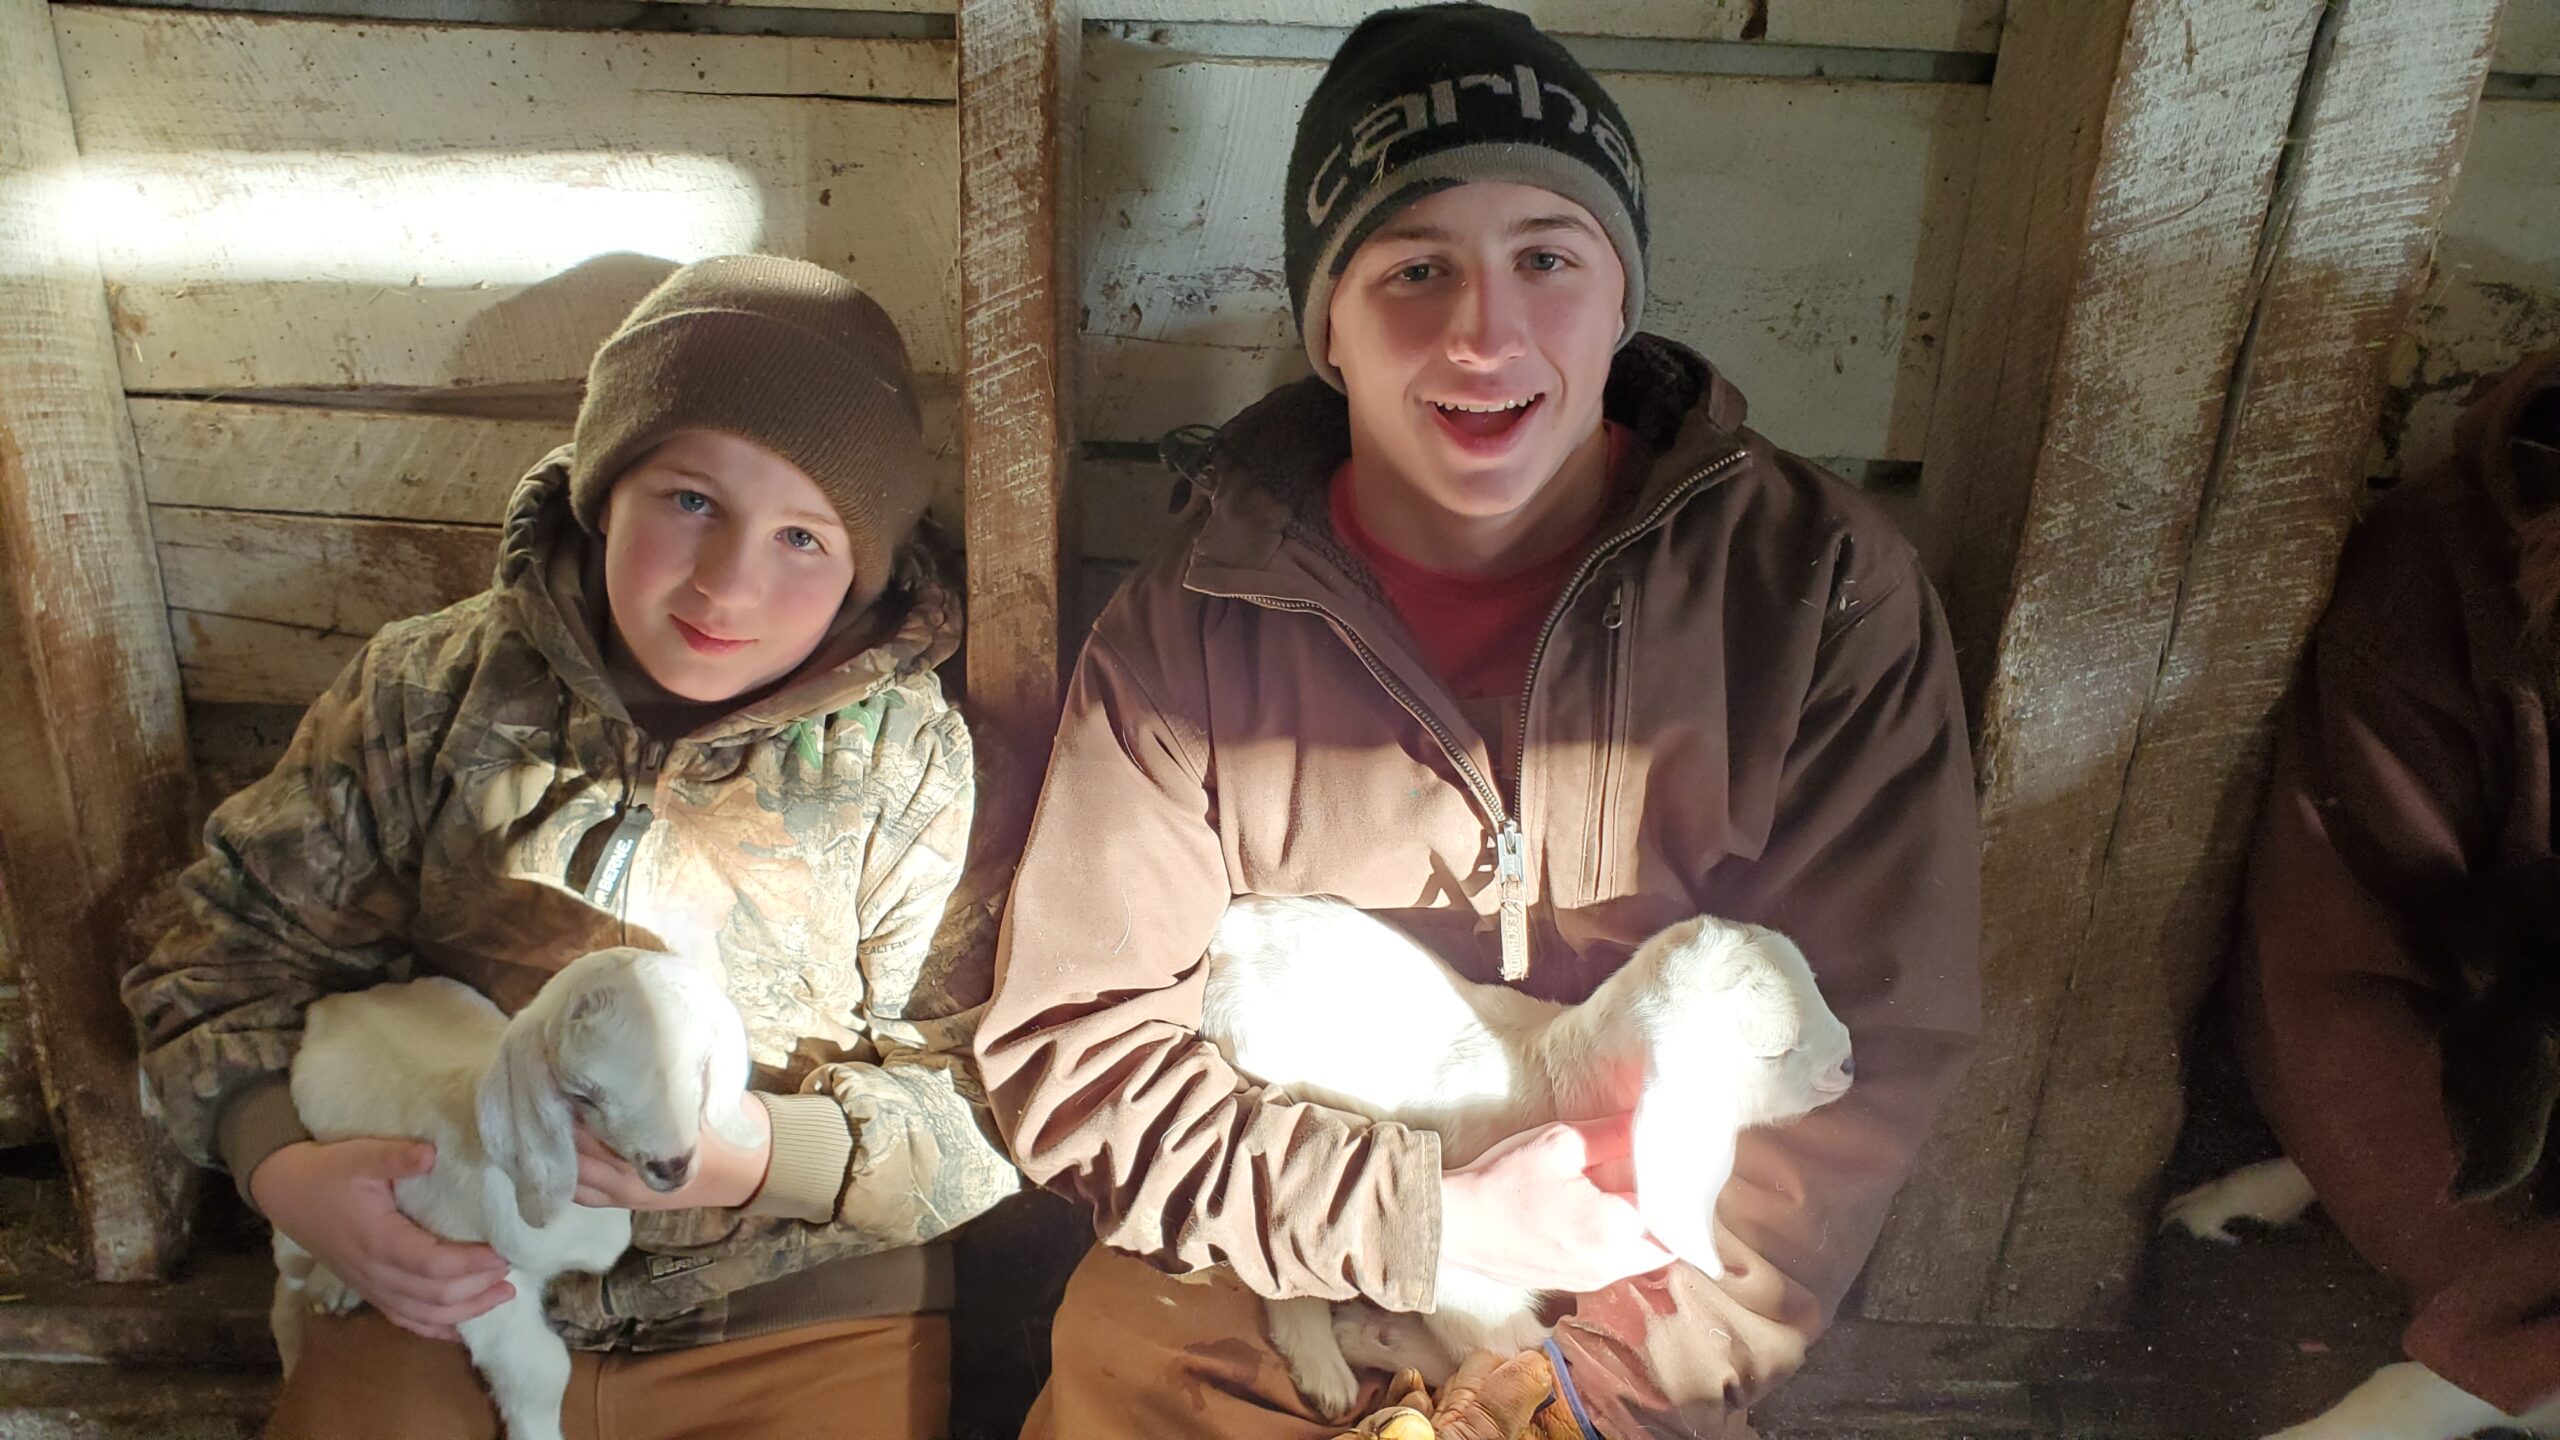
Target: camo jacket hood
472 799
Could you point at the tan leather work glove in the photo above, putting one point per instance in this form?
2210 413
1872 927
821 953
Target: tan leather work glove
1490 1398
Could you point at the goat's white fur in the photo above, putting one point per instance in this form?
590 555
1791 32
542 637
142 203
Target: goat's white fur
641 1047
1709 1029
2403 1401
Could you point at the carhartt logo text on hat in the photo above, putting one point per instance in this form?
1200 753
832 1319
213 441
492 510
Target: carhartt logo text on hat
1419 112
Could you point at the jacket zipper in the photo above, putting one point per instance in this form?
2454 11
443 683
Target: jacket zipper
607 888
1510 841
1612 701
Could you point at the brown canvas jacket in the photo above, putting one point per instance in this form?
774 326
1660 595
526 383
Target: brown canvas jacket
1746 704
441 811
2415 752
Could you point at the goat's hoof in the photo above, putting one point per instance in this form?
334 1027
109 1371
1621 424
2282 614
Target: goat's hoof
1331 1389
2271 1192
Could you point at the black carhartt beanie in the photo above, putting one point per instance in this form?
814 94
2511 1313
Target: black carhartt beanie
784 353
1422 99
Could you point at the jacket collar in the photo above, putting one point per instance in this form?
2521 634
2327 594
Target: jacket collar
545 577
1266 473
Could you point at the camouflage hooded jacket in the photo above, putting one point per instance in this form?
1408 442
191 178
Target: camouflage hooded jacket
472 799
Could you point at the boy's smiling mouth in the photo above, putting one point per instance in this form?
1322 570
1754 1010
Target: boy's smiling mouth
1485 424
704 641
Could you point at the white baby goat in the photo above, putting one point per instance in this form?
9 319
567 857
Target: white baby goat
641 1047
1710 1028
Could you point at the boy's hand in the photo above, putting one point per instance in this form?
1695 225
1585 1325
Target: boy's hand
724 1176
1529 1214
334 1200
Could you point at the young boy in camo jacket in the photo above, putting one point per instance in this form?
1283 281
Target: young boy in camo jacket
696 710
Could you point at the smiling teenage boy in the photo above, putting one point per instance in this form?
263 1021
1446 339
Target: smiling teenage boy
696 710
1505 627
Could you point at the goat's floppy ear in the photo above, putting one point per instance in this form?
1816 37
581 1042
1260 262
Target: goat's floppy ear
525 1123
724 1077
1763 1008
1684 1136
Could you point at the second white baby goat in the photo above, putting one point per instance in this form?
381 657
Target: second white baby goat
642 1048
1709 1029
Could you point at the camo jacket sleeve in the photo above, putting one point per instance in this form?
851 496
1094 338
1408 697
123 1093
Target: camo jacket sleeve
925 1155
305 888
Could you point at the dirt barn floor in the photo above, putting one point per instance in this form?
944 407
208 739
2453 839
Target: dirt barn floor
2227 1342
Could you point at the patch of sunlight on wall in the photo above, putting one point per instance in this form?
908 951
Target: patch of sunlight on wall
395 219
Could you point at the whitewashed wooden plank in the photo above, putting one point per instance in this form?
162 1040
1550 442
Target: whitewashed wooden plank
2496 294
226 660
312 203
389 465
1663 19
308 460
1964 25
893 7
2528 38
1956 25
1813 263
347 577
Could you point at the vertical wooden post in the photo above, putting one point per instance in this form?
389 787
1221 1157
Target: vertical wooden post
1018 318
2155 502
2388 105
94 783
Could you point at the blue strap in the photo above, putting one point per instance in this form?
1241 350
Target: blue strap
1572 1396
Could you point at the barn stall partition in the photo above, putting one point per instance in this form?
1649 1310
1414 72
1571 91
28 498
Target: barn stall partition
2115 304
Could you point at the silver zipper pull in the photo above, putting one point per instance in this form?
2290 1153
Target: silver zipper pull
1616 614
1511 867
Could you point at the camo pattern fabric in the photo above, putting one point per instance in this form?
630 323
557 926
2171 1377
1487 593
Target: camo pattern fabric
445 809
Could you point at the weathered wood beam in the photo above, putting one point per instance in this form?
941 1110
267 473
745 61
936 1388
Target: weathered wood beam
94 786
2101 297
2387 112
1018 302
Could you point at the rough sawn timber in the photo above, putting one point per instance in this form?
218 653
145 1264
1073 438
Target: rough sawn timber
2134 145
94 784
1018 64
2388 112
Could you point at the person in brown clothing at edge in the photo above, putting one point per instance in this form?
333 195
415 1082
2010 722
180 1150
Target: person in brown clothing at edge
2413 780
1503 614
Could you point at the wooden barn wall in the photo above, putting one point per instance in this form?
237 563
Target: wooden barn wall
2495 296
357 268
1805 226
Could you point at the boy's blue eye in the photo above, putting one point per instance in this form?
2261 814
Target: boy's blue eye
799 539
1547 260
692 502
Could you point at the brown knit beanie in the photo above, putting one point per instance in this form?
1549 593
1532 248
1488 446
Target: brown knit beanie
780 352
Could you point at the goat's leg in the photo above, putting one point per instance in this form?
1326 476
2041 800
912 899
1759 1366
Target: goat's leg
526 1366
2271 1192
1302 1332
288 1312
1391 1340
1475 1313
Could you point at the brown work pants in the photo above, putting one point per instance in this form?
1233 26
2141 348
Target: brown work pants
363 1378
1136 1353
